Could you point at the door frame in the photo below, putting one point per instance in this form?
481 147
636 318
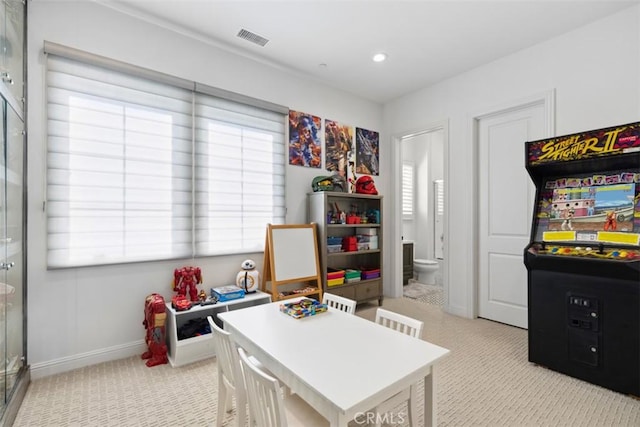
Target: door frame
547 99
395 290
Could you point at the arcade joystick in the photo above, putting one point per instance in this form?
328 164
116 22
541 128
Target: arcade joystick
600 248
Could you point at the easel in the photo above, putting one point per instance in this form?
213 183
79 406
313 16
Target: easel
291 256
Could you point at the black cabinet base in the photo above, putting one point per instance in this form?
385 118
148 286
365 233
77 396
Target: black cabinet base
587 327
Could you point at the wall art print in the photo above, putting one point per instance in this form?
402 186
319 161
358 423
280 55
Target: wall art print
367 152
338 142
305 147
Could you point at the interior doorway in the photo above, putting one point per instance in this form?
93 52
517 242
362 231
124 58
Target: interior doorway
423 222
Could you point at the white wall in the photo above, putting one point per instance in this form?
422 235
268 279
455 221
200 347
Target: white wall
595 72
87 315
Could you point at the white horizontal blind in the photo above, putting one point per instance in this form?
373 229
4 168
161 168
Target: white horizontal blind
119 167
439 190
240 175
407 190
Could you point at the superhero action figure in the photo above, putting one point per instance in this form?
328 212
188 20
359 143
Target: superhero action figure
185 280
154 321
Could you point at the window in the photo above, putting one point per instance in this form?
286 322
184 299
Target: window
407 190
240 178
139 169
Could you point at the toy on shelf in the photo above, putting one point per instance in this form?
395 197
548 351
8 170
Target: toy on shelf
227 293
154 323
185 280
248 278
180 303
365 185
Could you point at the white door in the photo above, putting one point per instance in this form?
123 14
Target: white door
505 208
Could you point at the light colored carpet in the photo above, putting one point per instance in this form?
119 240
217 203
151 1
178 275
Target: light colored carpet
485 381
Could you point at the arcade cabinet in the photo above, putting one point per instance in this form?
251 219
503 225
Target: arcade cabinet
583 259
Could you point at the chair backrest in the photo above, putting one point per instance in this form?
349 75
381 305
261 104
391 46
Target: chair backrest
227 360
399 322
265 399
341 303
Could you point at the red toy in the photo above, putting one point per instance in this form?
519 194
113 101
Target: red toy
180 303
154 321
185 280
365 185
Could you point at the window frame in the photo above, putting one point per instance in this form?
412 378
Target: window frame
278 113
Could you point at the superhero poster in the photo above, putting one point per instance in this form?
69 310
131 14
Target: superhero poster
367 152
305 147
338 140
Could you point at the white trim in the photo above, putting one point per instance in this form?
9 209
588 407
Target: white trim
547 99
80 360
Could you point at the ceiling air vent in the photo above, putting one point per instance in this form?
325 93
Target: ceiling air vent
252 37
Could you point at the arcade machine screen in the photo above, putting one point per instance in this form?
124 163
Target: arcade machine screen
589 210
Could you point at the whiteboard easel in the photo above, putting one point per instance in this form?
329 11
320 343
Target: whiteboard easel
291 256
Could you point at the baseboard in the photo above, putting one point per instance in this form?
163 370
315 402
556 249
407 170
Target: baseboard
457 310
69 363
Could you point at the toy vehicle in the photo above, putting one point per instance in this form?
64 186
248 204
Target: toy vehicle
180 303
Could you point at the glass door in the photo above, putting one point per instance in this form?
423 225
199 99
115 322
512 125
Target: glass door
12 323
12 267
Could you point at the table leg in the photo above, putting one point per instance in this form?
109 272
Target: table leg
430 410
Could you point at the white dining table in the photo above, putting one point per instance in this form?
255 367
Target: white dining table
340 364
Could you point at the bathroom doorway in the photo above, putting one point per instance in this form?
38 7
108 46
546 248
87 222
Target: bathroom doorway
422 213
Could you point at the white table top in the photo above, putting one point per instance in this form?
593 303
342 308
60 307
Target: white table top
351 362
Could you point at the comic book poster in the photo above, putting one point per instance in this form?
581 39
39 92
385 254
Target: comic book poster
338 142
367 156
305 147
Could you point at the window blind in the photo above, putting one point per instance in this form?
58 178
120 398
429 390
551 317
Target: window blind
119 167
407 190
144 166
240 175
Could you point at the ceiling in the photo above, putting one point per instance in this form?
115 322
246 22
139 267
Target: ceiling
333 41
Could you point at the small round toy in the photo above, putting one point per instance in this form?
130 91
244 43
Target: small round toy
248 278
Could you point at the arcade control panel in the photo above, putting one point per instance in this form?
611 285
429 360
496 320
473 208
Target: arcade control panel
598 251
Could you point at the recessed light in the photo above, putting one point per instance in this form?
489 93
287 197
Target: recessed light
379 57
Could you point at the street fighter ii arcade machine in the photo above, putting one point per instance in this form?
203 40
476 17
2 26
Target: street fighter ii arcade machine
583 260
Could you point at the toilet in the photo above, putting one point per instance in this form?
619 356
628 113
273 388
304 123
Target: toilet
425 270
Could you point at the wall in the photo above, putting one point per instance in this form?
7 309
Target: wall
595 73
88 315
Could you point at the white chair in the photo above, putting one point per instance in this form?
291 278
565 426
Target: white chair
267 405
411 327
229 375
341 303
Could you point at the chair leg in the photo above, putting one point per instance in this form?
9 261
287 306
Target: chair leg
222 401
241 409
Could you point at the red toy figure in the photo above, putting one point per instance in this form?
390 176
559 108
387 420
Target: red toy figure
185 280
154 320
610 221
